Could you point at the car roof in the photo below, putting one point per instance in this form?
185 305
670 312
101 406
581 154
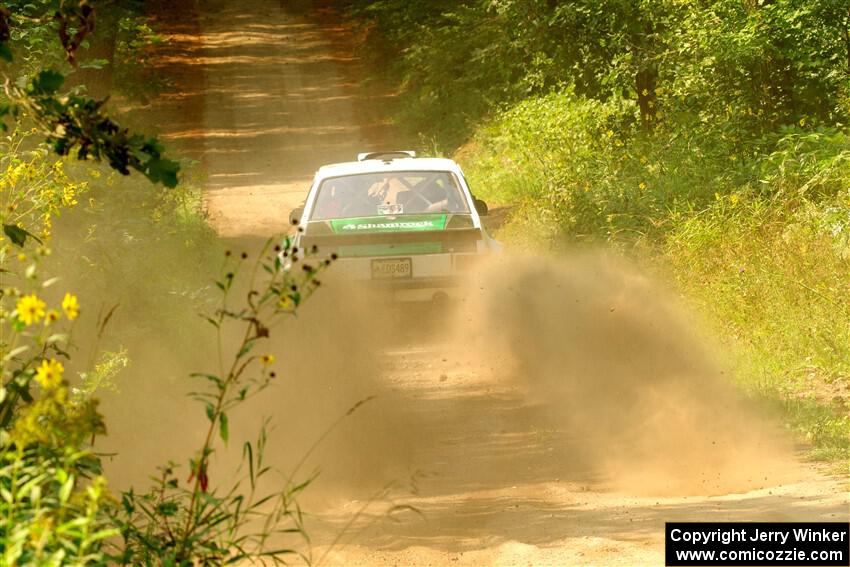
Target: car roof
378 166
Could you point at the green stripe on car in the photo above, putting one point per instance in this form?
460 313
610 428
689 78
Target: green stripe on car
404 223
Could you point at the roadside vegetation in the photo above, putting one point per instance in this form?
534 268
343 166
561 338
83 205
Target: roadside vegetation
78 230
708 138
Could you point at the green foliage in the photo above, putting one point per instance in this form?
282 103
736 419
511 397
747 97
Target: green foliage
78 123
53 513
756 66
35 188
71 121
133 69
735 69
770 267
52 496
17 235
577 162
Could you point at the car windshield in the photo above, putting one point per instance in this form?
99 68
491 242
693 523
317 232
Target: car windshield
389 193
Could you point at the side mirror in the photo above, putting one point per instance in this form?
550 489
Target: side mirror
480 207
295 215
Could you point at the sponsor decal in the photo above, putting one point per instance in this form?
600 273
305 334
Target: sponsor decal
407 223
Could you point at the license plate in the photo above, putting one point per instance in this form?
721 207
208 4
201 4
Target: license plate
392 268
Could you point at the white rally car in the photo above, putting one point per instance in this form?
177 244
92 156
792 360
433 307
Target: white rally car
408 225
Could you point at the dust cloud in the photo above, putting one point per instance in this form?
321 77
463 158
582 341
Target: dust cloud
617 364
593 353
155 282
599 354
333 400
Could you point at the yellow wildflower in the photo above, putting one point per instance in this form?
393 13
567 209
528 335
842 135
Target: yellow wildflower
51 317
71 306
733 199
642 186
267 359
49 374
30 309
69 195
286 303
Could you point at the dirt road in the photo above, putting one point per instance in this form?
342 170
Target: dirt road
276 95
498 481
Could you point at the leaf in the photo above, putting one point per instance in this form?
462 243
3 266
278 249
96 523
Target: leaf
163 171
47 83
5 52
65 490
210 412
248 451
166 509
104 534
18 235
211 377
246 348
21 387
223 427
